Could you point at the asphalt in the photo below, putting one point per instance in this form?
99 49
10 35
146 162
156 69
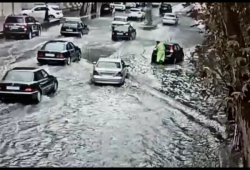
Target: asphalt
82 125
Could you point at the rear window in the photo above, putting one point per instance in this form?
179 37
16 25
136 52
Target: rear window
70 24
106 64
121 28
169 15
22 76
54 46
14 20
134 10
120 19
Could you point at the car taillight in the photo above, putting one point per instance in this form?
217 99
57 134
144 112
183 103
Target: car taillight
95 73
171 49
28 89
126 33
6 25
40 55
60 56
119 74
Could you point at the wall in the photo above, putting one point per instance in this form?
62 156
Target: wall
7 8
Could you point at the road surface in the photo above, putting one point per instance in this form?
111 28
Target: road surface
83 125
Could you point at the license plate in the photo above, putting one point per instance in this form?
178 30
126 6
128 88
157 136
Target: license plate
119 33
106 8
14 27
13 88
69 30
50 55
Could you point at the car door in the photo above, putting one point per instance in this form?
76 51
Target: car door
181 52
42 81
71 50
31 24
124 68
177 52
50 80
37 12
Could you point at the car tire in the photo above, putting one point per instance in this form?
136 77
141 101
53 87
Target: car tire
51 17
68 61
38 97
38 34
122 83
29 35
79 57
114 39
55 87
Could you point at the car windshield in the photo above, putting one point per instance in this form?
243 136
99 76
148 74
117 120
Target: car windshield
54 46
107 64
120 19
169 15
70 24
22 76
14 20
121 28
134 10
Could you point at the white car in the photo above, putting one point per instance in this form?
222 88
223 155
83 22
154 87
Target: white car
118 6
120 20
130 5
136 13
110 71
39 11
170 18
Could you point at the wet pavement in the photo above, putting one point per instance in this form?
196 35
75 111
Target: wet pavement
136 125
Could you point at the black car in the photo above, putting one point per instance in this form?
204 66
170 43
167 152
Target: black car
106 9
123 32
21 25
74 28
173 53
27 84
58 51
165 8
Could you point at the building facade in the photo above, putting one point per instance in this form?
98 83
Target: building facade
10 8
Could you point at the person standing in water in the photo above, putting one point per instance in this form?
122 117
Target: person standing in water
160 52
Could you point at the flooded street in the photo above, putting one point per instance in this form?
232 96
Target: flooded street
140 124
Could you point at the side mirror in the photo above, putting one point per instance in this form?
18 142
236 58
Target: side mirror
94 62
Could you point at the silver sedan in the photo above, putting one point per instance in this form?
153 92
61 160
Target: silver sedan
109 71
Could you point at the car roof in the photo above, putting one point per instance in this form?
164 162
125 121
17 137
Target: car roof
125 17
32 69
17 15
76 19
110 59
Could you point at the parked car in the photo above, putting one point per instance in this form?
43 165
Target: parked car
58 51
170 18
118 6
165 8
109 71
39 11
74 27
130 5
27 84
136 13
106 9
20 25
173 53
126 32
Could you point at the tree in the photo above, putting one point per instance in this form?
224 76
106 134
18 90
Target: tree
227 65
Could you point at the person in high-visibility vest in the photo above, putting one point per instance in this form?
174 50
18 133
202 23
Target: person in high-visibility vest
160 52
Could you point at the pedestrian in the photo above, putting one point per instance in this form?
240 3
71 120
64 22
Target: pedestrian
160 52
113 12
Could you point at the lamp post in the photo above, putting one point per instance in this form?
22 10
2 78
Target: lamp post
46 17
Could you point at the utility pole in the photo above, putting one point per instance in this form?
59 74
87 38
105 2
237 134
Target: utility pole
148 14
46 17
13 8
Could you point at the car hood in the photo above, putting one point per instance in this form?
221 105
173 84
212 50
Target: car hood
26 11
119 22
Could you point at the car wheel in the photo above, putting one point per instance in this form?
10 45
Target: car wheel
127 75
29 35
68 61
38 33
38 97
79 57
122 83
51 16
55 87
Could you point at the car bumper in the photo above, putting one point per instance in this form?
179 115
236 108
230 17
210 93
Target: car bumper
51 60
66 32
120 37
107 80
168 22
15 33
17 95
